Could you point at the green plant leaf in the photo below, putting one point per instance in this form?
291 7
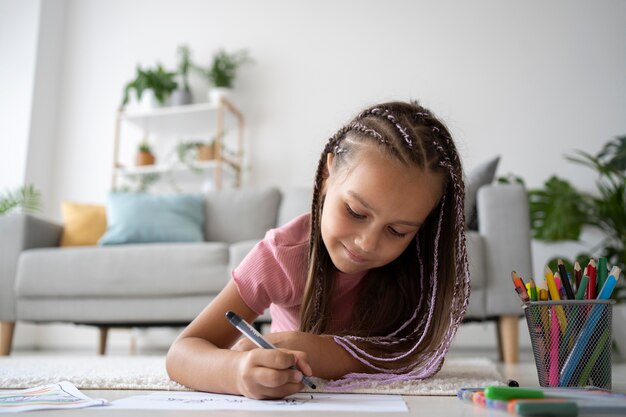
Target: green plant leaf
162 82
557 211
223 68
27 199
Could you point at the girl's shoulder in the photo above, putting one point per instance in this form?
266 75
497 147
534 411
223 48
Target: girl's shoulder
294 233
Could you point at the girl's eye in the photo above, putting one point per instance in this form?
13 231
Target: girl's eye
394 232
354 213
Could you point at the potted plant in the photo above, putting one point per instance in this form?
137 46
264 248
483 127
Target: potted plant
26 199
150 88
144 154
190 151
182 94
222 72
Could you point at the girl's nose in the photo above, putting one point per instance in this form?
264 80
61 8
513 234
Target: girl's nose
367 240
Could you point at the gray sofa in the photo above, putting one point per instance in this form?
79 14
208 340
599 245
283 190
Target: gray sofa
169 284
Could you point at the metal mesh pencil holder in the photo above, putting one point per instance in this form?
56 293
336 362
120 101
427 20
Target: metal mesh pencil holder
571 341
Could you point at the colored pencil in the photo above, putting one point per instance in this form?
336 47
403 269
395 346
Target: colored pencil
578 274
565 280
517 281
554 293
533 290
582 341
601 273
591 285
582 288
523 295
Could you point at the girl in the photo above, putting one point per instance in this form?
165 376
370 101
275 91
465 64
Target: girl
372 283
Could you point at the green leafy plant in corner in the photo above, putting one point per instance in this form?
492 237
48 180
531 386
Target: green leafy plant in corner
223 68
26 198
162 82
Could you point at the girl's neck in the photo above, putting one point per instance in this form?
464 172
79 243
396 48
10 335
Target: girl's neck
355 276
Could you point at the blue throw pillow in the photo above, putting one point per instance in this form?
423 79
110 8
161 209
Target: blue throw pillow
145 218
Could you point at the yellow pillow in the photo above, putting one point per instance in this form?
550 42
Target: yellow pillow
83 224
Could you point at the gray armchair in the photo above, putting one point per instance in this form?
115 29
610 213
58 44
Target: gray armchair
18 233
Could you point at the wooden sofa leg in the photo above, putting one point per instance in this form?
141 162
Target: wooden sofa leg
508 338
104 333
6 337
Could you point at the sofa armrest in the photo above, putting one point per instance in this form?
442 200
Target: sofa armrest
19 232
504 224
238 251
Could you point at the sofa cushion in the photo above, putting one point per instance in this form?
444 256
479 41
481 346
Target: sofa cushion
83 224
476 259
233 215
481 175
146 218
295 202
146 270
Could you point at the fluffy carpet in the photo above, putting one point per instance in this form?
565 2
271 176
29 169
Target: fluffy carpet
148 373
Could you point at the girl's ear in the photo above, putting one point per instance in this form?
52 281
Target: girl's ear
326 173
329 163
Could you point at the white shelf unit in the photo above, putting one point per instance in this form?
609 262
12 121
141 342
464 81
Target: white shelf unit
179 121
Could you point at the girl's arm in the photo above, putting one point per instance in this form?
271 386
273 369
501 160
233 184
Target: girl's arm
201 358
328 360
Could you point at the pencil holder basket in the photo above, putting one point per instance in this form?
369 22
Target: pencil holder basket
571 342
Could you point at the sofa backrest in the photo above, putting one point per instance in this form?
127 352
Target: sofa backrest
234 215
295 202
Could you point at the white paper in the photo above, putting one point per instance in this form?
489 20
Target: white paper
298 402
45 397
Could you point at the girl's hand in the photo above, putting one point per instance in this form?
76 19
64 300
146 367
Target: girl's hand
268 373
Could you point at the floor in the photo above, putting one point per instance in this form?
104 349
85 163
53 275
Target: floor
524 372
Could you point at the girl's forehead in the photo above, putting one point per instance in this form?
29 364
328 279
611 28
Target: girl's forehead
389 185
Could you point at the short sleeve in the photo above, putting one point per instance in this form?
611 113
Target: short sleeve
274 272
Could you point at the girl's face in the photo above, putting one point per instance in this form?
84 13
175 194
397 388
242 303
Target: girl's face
373 208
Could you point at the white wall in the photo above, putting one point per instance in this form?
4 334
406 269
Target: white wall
530 80
18 41
527 80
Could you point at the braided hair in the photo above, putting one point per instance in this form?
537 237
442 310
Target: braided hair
420 298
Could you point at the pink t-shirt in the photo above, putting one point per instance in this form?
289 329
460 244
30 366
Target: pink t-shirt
273 275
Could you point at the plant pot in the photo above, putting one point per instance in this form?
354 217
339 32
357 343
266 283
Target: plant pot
180 97
133 104
144 158
216 94
205 152
148 100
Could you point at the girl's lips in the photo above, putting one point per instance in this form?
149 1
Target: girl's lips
354 257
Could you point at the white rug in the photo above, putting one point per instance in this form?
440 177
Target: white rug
148 373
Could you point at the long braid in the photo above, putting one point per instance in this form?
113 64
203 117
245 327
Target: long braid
425 138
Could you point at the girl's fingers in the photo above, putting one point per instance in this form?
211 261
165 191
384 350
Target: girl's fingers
243 345
302 362
275 378
270 373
